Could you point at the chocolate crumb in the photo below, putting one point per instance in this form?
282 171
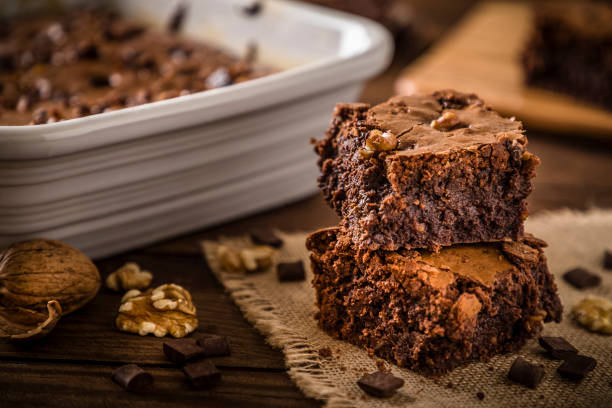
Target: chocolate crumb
491 369
480 395
175 23
380 364
325 352
450 385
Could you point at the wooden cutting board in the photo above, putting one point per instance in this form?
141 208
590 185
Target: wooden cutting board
482 55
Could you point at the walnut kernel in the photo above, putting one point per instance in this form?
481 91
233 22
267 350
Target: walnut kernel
595 314
379 141
129 276
167 310
229 259
446 121
257 258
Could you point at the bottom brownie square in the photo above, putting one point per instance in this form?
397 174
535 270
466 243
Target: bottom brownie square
428 311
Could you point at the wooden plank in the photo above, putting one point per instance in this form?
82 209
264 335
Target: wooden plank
44 384
89 334
482 55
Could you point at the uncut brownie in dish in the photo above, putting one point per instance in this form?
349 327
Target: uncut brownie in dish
426 171
84 62
570 50
428 311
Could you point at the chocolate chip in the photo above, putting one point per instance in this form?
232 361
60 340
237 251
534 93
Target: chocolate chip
607 261
557 347
87 50
581 278
214 346
480 395
175 22
290 271
252 9
525 373
380 384
266 237
181 350
99 81
218 78
202 374
576 367
133 378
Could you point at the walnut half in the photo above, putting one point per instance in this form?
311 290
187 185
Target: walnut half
168 309
128 277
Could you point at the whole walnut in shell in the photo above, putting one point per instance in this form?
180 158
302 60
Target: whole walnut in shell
40 280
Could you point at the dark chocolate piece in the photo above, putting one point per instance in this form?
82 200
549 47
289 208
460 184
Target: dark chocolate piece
576 367
291 271
175 23
214 346
557 347
426 171
607 261
266 237
488 298
202 374
380 384
252 9
526 373
133 378
581 278
182 350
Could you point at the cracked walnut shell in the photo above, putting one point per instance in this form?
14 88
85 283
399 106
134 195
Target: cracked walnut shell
168 309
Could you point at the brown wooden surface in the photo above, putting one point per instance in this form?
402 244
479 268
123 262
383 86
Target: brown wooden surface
482 55
72 367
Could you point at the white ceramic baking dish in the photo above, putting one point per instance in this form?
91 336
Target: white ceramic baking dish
116 180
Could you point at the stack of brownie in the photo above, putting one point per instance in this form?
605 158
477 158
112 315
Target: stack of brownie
430 267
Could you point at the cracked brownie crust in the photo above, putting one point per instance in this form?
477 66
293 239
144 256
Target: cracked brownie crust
430 311
426 171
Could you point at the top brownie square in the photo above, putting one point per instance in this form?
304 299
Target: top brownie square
426 171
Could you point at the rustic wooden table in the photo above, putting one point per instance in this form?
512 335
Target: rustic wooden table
72 367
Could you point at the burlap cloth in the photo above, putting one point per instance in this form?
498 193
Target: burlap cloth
283 313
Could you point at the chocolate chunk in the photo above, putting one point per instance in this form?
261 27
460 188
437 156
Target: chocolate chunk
557 347
380 384
214 346
133 378
525 373
576 367
181 350
99 81
252 9
290 271
607 261
175 23
266 237
581 278
202 374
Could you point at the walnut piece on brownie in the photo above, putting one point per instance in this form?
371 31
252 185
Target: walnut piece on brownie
426 171
430 311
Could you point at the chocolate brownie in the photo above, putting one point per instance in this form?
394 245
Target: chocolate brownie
426 171
80 63
570 50
430 311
